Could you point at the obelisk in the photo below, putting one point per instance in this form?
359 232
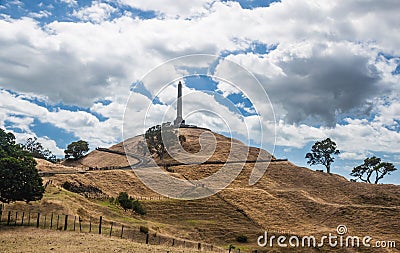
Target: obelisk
179 120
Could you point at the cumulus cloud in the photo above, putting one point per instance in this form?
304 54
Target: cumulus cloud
97 12
329 62
171 8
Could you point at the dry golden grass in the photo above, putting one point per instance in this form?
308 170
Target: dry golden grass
34 240
287 198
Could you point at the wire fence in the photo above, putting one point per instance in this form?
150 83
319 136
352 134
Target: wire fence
98 225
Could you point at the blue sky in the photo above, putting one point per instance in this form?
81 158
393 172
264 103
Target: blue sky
330 69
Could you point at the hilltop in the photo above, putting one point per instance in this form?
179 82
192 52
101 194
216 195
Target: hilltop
288 199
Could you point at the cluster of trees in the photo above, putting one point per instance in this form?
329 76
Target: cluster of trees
128 203
161 137
19 178
371 171
33 146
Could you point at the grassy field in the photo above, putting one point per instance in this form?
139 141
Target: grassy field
34 240
287 200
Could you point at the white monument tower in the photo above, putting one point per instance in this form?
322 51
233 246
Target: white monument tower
179 121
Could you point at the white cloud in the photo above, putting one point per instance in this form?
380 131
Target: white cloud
40 14
326 63
70 2
171 8
97 12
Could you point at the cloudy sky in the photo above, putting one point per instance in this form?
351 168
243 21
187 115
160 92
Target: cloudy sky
329 69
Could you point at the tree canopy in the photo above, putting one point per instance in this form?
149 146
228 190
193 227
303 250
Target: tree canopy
19 178
76 149
322 152
33 146
372 170
160 137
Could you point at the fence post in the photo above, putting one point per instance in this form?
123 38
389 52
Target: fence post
16 217
1 211
22 221
147 238
112 223
122 230
58 219
51 221
66 222
80 224
173 242
29 218
199 246
101 219
74 222
9 218
38 220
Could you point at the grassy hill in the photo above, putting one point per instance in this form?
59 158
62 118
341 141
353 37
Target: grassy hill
287 200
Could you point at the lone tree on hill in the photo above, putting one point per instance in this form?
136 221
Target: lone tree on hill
372 168
160 137
322 152
76 149
19 178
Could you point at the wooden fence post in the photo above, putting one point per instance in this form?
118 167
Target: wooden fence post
101 219
51 221
74 222
122 230
23 216
147 238
173 242
38 220
112 223
66 222
16 218
58 219
29 218
1 211
199 246
80 224
9 218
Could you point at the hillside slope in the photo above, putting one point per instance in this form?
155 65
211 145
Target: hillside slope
288 198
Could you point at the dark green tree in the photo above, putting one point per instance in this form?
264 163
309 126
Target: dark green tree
19 178
76 149
372 170
33 146
161 137
322 152
124 201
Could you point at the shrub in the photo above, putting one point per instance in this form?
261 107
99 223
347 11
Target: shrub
242 238
144 230
138 208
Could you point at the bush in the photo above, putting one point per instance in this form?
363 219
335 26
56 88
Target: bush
111 200
144 230
242 238
138 208
127 202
